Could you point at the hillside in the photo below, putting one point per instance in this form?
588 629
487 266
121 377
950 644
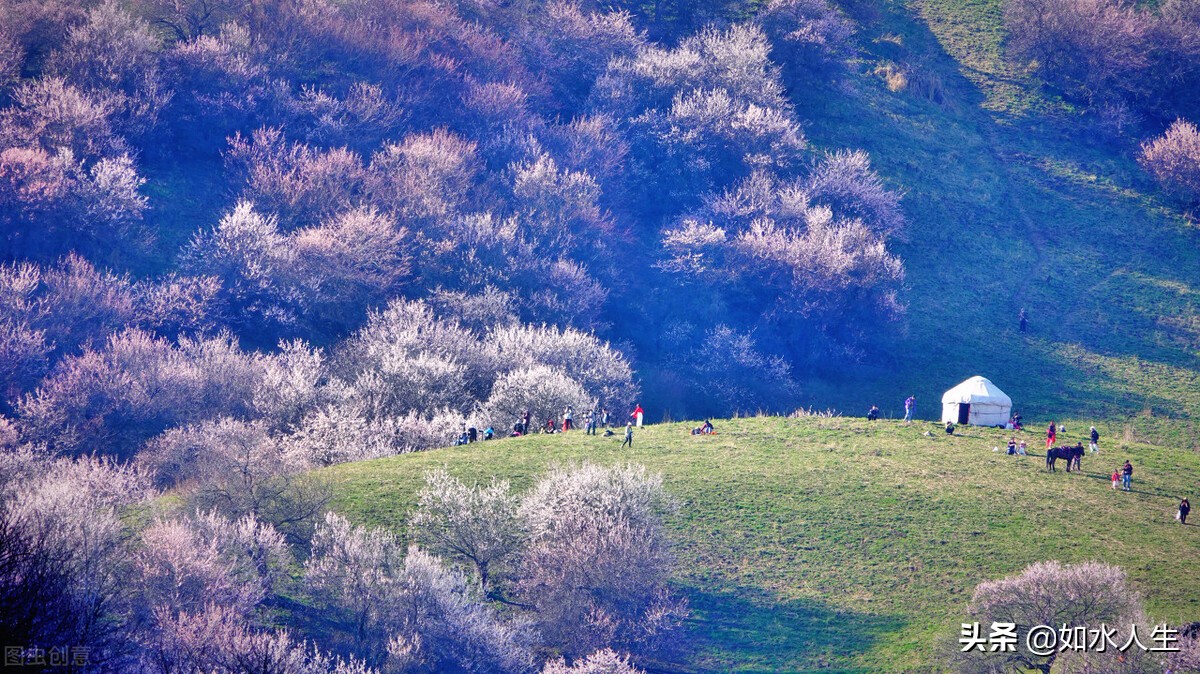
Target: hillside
246 246
835 544
1013 203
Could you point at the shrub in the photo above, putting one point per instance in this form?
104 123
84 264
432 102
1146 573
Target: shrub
425 178
118 55
571 48
11 56
730 372
301 184
597 562
1048 593
342 432
236 469
474 524
561 208
293 384
110 51
51 114
1090 50
112 400
406 608
217 640
603 371
543 391
347 265
605 661
844 182
1174 161
53 204
406 359
222 86
208 559
360 119
778 256
69 533
809 35
248 254
700 116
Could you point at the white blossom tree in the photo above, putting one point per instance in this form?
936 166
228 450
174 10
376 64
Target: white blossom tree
476 524
597 560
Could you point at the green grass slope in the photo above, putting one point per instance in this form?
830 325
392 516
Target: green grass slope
1013 203
836 544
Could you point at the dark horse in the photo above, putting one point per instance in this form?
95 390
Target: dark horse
1071 455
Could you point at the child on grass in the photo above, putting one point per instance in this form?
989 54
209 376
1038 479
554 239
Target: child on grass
1116 478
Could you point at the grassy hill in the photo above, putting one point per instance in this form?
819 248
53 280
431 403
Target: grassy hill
1014 202
836 544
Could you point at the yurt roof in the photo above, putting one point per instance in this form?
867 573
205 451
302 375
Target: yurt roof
976 391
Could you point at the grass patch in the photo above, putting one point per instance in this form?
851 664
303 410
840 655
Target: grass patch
836 544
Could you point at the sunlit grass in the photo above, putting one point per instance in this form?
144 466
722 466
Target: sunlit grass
841 544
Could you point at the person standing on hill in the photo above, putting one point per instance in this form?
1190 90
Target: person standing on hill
525 423
1184 509
1127 475
604 417
1051 432
637 415
1094 438
1022 320
909 403
628 435
569 418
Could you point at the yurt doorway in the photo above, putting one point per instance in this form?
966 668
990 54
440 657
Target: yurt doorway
964 413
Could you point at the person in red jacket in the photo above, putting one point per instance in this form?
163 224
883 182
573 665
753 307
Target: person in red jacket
637 415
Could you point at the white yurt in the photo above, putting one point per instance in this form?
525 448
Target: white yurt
977 402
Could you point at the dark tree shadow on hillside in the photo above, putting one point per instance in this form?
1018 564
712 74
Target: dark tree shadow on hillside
759 632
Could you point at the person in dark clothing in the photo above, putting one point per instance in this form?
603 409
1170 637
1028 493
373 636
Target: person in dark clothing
1094 436
525 423
949 428
472 434
1012 446
1022 320
628 435
1184 509
873 413
1126 475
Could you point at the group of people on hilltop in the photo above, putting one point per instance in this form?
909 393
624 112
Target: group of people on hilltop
471 434
593 420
